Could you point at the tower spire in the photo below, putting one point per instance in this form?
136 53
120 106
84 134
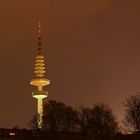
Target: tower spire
39 81
39 38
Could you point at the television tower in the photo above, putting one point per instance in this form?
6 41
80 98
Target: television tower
39 81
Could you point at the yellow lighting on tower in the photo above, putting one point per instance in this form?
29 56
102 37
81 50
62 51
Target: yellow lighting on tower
39 81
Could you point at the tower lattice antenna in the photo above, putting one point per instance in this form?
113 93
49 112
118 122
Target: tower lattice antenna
39 38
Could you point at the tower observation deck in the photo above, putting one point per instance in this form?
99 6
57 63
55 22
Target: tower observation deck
40 81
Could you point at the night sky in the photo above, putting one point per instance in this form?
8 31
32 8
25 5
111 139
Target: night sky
92 49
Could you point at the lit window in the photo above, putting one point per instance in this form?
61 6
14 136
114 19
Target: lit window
12 134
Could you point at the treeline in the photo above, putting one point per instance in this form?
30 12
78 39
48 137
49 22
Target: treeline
98 120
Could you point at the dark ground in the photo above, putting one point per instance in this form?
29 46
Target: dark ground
16 134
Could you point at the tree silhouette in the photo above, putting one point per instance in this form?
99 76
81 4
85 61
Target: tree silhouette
84 117
53 115
99 121
102 121
70 122
59 117
132 112
33 123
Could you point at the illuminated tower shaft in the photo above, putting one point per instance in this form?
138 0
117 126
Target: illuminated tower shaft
40 82
40 111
